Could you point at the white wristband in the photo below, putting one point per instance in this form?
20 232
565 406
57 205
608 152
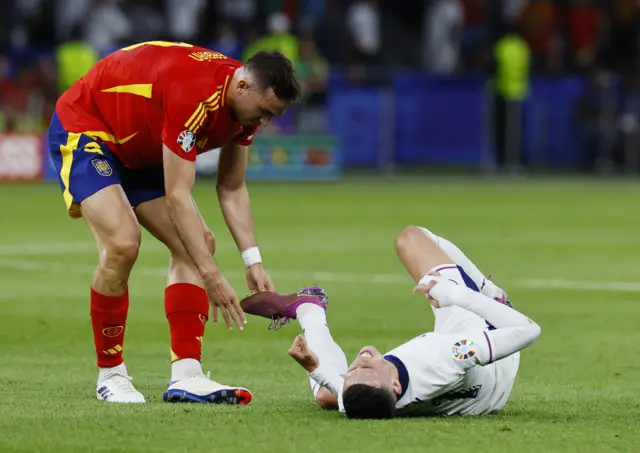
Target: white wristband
251 256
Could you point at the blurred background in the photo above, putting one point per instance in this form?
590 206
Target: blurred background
511 86
506 126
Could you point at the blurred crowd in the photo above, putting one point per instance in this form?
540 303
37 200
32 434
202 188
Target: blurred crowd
47 44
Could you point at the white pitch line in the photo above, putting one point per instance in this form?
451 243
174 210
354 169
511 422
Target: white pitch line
50 266
324 276
151 246
581 285
85 248
47 248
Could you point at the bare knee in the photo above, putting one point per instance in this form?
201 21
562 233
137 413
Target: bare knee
326 399
407 239
120 252
419 252
117 257
210 239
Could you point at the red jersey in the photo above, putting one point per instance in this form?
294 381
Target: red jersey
155 93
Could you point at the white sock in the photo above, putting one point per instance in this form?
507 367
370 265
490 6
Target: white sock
184 368
313 321
104 373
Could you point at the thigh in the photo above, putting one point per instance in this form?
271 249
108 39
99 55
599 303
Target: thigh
84 166
112 221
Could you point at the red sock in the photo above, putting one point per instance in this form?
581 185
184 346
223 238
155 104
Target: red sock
187 308
108 317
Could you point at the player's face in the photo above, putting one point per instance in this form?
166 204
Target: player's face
254 107
369 368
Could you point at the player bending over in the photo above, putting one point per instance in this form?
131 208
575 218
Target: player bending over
467 366
124 141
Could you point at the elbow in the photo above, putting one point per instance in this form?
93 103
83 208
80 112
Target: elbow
532 332
174 201
536 331
226 188
220 187
171 201
326 400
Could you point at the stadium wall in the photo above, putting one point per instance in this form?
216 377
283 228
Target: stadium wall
415 120
437 120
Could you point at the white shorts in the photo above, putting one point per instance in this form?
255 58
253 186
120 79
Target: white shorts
456 319
502 374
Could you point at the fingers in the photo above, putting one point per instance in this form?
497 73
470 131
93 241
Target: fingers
214 316
420 290
225 316
296 348
239 311
269 285
233 307
262 284
424 289
232 313
266 284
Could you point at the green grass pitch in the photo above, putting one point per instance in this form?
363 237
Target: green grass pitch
567 252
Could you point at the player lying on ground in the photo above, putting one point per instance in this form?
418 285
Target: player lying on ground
467 366
124 140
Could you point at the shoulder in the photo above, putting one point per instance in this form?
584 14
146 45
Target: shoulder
200 79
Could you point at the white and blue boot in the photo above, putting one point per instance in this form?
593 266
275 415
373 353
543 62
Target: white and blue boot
200 389
114 386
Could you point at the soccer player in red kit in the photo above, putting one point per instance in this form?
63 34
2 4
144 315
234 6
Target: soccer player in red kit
124 141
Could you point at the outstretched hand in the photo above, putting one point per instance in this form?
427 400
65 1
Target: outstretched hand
222 296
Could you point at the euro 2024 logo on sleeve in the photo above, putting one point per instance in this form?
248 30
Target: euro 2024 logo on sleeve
186 140
464 349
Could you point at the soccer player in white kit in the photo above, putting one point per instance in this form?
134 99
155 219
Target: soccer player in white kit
466 366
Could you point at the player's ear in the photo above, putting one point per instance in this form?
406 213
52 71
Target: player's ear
242 86
396 387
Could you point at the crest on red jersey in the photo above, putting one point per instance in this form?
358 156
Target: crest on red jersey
102 167
186 140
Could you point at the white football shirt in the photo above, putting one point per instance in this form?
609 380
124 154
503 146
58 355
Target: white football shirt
440 375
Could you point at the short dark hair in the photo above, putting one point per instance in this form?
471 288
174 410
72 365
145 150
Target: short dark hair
362 401
273 69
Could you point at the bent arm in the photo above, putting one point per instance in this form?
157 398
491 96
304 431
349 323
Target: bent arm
514 331
332 382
